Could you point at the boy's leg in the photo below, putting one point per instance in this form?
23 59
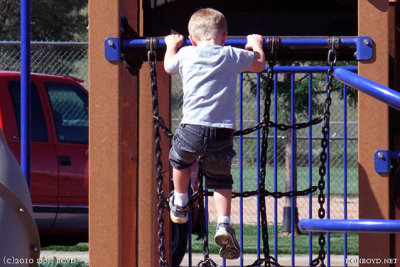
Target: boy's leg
225 234
222 200
179 201
181 179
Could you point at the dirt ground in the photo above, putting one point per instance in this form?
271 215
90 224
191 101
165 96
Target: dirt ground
250 209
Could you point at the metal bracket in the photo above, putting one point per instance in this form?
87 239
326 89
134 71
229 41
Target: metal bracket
383 158
364 48
112 49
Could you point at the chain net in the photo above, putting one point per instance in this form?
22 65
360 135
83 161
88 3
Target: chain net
268 260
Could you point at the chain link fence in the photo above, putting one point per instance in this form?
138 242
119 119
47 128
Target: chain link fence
56 58
70 59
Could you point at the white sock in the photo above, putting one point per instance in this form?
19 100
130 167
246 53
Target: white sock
224 219
181 199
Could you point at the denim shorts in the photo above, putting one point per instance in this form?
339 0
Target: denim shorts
212 146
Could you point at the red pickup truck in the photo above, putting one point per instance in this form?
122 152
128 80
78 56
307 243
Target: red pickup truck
59 155
59 148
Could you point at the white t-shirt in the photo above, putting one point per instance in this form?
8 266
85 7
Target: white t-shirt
209 76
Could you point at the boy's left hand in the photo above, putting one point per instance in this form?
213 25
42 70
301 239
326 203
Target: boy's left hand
174 41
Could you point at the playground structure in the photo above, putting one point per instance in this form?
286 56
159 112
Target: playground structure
122 165
120 168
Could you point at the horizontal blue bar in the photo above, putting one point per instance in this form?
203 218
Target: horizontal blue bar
358 226
241 42
376 90
308 69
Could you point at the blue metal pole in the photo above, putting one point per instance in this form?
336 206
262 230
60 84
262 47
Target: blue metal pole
241 162
258 168
357 226
25 91
345 169
292 169
241 42
276 166
309 69
378 91
190 230
310 176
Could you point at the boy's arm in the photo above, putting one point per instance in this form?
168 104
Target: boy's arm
255 43
173 42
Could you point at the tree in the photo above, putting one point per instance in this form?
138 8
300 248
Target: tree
50 20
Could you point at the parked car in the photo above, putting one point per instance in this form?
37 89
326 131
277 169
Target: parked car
59 148
59 155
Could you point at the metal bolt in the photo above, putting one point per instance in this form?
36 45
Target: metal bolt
380 155
366 41
110 42
21 209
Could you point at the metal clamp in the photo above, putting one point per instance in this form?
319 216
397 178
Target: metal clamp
383 158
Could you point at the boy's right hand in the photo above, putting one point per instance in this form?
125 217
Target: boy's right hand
254 41
174 41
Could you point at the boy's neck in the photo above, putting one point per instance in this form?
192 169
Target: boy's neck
208 42
218 40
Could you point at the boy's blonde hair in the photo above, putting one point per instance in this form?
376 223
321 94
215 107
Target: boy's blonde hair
206 24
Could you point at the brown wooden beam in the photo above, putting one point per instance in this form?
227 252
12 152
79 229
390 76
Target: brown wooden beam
373 132
113 148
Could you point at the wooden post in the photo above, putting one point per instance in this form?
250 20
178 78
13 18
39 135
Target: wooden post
373 132
113 149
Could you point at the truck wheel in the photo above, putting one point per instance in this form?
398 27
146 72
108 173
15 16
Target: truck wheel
178 242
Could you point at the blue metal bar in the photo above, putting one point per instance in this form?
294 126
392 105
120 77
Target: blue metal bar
190 229
380 92
308 69
358 226
241 163
362 45
258 167
284 42
275 166
25 91
310 176
292 169
345 169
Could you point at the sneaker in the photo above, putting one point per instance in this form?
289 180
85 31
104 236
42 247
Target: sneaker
225 238
177 213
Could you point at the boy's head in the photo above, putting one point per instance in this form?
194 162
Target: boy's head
207 24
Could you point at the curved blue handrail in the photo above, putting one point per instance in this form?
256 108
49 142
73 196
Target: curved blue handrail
376 90
359 226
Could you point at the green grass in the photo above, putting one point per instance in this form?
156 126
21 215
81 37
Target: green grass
77 247
62 263
284 242
336 179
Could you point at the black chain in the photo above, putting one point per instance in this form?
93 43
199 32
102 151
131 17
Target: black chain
263 161
261 191
324 154
152 59
283 127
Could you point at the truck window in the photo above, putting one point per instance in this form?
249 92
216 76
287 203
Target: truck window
38 124
70 111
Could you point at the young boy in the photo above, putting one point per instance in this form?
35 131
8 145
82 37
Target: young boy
209 74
